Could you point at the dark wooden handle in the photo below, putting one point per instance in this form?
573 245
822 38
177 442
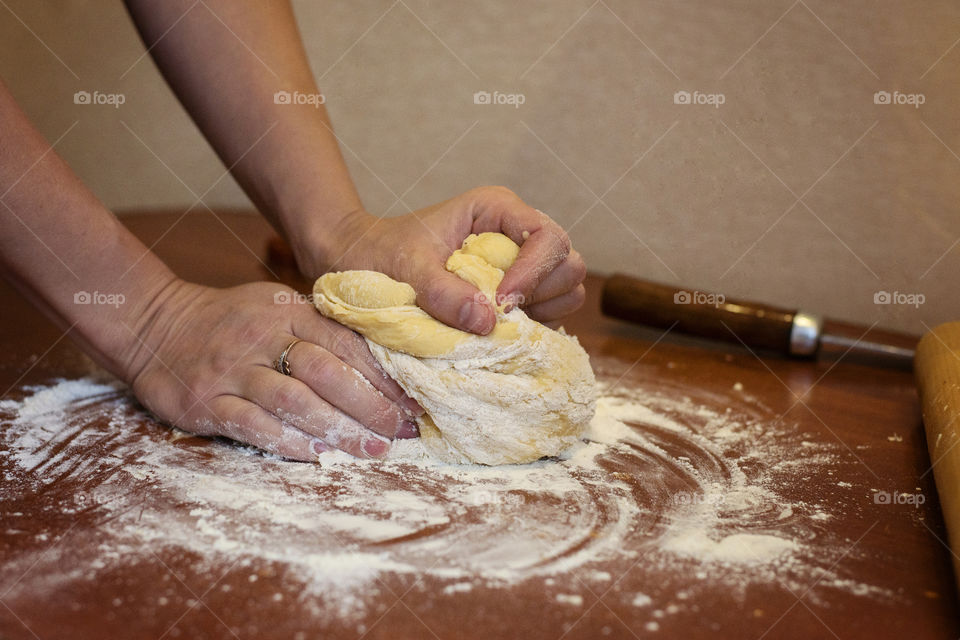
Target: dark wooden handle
697 313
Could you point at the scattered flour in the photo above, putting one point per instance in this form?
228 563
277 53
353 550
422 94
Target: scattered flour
642 600
458 587
660 481
748 548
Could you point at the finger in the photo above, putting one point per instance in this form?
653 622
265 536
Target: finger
539 255
451 300
245 422
500 210
558 307
296 404
345 388
543 243
561 280
351 348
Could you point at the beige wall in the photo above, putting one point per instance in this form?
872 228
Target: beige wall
798 190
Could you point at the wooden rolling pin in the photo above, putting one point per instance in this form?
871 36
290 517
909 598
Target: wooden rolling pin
756 325
937 370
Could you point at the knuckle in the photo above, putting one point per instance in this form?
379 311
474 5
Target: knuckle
490 189
348 346
560 236
432 291
285 397
578 267
323 368
199 394
578 297
349 441
247 417
494 194
249 333
222 354
386 416
502 191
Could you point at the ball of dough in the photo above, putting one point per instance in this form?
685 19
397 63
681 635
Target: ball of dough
371 290
496 249
516 395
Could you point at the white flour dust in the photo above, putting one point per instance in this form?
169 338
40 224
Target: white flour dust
686 495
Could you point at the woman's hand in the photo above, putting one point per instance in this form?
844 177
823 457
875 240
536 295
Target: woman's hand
206 363
546 279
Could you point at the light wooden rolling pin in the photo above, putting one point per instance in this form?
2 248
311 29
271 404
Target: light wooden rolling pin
937 369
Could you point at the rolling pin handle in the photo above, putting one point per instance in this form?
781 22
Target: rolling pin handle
758 326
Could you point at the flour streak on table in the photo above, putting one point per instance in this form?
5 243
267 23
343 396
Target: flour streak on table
665 484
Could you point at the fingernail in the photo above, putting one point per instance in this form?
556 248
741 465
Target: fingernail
407 430
512 300
319 446
475 317
375 447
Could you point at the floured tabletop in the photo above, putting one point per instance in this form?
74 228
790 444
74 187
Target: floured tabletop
716 494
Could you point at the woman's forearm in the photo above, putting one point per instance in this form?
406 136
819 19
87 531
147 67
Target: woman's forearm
68 254
198 358
227 60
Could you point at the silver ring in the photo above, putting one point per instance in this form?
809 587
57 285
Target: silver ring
281 364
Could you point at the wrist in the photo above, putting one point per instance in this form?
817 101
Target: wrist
153 323
112 328
306 201
329 242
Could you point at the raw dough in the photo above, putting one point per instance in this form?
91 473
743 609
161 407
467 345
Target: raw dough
516 395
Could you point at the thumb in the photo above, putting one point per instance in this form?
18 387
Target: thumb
453 301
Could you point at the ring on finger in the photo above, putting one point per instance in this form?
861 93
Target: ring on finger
282 365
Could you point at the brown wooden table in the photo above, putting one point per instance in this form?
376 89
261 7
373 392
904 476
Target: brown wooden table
869 416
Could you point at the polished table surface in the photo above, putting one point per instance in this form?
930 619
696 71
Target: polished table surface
878 568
